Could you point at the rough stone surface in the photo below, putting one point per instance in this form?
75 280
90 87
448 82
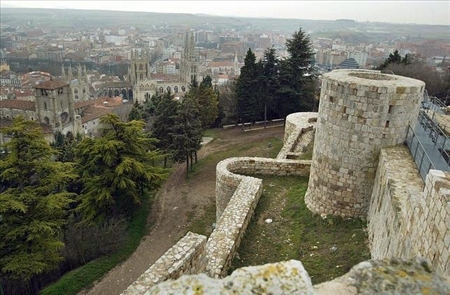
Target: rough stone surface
360 112
185 257
277 278
390 276
406 217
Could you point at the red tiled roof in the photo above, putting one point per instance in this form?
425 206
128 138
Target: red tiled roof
51 85
18 104
94 112
46 128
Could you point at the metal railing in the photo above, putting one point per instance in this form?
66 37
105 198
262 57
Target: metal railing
437 136
421 158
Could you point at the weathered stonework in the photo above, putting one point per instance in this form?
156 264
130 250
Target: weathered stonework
359 165
406 217
360 112
387 276
230 173
277 278
185 257
390 276
224 241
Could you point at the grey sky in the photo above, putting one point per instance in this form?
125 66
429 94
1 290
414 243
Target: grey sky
421 12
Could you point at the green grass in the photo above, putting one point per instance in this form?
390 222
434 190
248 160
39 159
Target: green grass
327 248
255 149
308 153
84 276
213 132
203 224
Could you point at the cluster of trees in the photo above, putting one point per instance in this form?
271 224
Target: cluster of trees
437 83
45 195
274 87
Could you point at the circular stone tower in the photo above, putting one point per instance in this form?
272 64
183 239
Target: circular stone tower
360 112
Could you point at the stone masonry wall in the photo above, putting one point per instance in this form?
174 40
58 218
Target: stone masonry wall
185 257
229 174
360 112
226 237
406 218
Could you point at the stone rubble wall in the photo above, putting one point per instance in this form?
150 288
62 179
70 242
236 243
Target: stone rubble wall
360 112
296 126
230 172
408 218
236 199
185 257
388 276
224 241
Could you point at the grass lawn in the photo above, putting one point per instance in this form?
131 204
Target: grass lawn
327 248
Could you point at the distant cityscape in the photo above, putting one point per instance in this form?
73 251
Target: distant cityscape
133 62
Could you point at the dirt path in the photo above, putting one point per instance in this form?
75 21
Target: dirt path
176 200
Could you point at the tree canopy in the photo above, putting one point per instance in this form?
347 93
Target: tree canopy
116 169
33 202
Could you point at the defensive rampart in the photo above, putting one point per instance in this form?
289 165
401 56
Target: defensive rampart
406 217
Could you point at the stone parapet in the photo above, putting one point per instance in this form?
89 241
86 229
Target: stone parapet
397 185
388 276
297 124
185 257
226 237
360 112
229 174
289 277
408 218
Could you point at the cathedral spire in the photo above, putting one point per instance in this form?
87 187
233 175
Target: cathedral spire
79 73
63 73
69 73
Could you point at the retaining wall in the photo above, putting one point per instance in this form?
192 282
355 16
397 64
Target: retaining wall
185 257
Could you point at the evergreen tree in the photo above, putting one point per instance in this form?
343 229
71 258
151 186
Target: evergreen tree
33 203
296 91
136 112
207 101
395 58
246 90
166 113
268 81
187 132
116 169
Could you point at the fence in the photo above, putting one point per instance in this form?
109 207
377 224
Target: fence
421 158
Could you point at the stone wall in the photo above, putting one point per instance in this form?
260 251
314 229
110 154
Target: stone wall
226 237
388 276
185 257
406 218
360 112
230 173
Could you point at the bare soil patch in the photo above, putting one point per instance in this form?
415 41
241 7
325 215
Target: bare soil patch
178 202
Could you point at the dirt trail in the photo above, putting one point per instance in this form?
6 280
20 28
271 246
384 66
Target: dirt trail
176 200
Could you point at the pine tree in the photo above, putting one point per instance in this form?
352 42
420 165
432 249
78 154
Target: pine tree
268 81
116 169
187 132
166 113
246 90
207 101
33 202
296 90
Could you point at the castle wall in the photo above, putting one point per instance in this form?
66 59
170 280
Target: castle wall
185 257
406 217
228 174
226 237
360 112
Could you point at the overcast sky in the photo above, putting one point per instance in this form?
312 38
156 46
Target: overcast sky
420 12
